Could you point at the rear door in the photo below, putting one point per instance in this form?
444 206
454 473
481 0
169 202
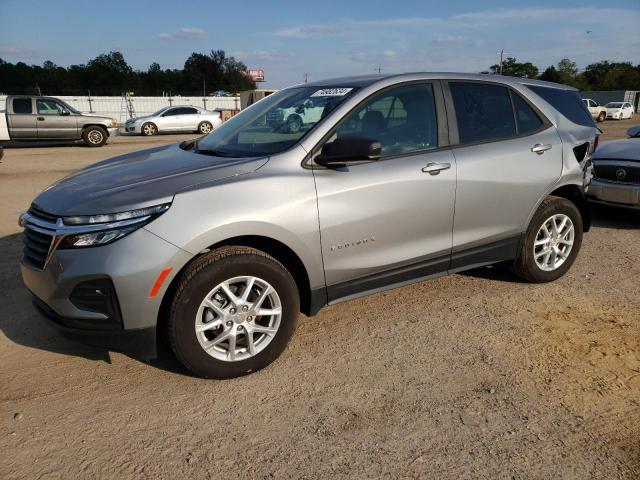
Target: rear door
389 221
508 155
188 118
54 120
21 116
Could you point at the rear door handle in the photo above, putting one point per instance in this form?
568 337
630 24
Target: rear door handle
540 148
41 119
435 168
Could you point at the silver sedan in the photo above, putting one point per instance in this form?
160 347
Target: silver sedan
175 119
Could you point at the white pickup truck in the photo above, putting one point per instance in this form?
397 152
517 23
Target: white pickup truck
28 117
596 110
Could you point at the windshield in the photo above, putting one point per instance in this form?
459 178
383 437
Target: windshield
160 112
613 105
275 123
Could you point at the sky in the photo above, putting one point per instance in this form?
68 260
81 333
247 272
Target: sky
291 39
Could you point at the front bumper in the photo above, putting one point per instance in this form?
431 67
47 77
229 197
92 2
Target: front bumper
614 193
131 265
113 132
133 128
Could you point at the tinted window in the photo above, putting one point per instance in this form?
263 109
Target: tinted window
48 107
567 102
22 105
483 111
402 119
528 120
169 113
188 111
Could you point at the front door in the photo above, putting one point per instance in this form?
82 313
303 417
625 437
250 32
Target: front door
54 120
508 157
389 221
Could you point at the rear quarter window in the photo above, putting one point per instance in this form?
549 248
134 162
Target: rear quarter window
567 102
22 105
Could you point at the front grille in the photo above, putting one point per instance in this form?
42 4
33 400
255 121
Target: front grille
617 173
36 247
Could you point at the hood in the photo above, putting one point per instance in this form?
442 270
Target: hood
95 115
135 119
138 179
627 149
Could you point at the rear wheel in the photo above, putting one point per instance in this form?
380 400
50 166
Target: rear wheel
233 312
149 129
94 136
551 243
204 128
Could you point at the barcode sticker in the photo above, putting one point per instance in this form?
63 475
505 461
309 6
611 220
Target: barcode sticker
332 92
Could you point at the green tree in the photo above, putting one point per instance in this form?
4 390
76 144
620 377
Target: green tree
512 68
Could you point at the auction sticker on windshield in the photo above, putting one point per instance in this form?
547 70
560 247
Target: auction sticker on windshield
332 92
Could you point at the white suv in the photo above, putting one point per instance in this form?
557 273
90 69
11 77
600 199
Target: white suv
596 110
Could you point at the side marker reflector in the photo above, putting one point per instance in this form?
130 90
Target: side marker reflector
159 281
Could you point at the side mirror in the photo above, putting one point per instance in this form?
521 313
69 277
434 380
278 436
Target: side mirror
65 113
349 150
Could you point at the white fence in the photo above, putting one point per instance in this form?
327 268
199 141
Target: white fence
117 108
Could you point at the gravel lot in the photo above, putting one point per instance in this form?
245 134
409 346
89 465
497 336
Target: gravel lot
471 376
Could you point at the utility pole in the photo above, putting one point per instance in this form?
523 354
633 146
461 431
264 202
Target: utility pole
501 52
378 69
306 78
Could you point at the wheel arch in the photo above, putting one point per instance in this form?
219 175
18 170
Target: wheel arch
574 194
89 125
309 305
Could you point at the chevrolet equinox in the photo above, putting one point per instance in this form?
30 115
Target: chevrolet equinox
317 194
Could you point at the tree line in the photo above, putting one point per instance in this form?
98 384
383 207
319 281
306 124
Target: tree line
603 75
110 74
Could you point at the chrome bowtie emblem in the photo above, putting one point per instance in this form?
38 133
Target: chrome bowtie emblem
621 173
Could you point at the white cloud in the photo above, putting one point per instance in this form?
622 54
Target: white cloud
183 34
309 31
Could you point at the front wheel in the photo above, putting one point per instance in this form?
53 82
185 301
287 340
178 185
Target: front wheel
602 116
551 243
149 129
233 312
94 136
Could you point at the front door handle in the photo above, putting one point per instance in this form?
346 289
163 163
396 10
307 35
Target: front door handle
540 148
41 119
435 168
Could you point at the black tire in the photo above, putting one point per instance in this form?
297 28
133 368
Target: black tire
602 116
94 136
294 124
197 281
149 129
525 265
205 128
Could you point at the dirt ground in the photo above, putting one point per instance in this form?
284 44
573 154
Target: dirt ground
474 375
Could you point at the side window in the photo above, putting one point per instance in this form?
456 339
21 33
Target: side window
22 105
171 112
483 111
188 111
48 107
527 119
403 119
567 102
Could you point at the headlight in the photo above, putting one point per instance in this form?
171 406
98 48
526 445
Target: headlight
96 238
116 217
95 230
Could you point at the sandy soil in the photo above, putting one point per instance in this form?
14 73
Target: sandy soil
471 376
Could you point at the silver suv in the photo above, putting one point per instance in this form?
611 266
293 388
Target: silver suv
220 242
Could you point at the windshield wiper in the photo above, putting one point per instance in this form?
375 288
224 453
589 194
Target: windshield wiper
214 152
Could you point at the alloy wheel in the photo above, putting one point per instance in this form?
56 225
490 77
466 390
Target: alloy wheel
238 318
554 242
